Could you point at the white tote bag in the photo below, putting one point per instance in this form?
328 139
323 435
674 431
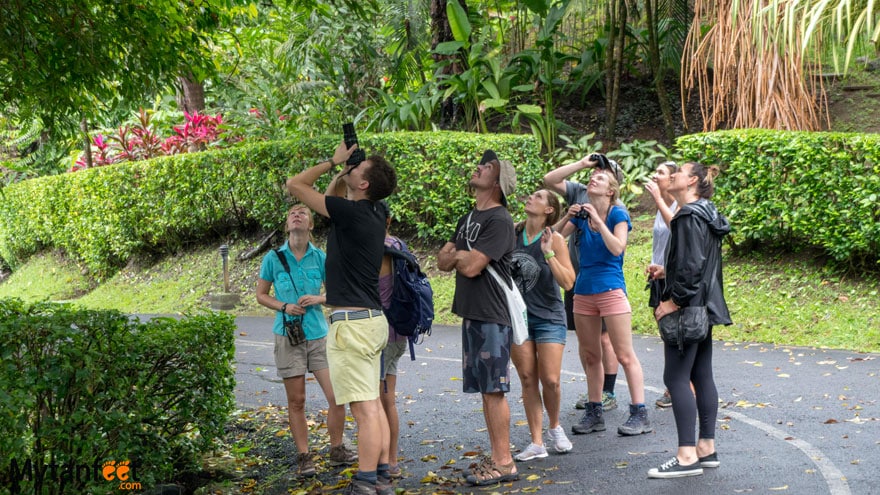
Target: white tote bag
516 305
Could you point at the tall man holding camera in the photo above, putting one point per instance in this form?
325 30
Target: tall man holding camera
358 329
485 236
576 193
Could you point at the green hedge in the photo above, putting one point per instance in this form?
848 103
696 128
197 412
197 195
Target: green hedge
80 388
105 215
797 189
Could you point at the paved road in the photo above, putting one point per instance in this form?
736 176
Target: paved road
794 420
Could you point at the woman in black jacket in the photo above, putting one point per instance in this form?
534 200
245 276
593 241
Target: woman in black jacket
693 278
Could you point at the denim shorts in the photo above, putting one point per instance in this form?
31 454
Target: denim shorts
543 331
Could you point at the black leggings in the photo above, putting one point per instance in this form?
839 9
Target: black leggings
694 366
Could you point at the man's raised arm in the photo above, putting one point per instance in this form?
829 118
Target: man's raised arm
555 179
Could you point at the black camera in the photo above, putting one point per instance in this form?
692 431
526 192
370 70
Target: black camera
293 328
351 139
596 157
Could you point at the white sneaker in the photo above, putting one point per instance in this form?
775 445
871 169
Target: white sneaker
532 452
561 443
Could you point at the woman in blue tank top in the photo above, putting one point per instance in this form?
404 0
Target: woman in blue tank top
541 265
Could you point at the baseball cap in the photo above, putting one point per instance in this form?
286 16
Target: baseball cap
506 174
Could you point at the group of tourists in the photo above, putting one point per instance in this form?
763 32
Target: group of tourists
487 250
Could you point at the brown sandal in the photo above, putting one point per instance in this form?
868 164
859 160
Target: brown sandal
488 472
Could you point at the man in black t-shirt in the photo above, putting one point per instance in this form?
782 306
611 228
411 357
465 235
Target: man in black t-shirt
485 236
358 329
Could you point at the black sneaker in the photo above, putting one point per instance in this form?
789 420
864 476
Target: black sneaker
592 420
672 469
637 423
710 461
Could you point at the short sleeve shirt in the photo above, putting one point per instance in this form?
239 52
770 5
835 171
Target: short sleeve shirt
600 271
306 278
355 246
490 232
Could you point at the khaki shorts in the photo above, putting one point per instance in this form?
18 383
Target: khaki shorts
393 352
354 349
291 361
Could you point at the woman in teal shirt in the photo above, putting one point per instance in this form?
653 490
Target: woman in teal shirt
301 333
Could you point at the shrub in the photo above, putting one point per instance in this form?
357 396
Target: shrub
102 216
797 189
79 388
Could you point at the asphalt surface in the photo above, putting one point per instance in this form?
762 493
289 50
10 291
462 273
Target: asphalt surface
792 420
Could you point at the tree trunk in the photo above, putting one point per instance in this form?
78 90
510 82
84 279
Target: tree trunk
654 61
191 99
87 150
616 41
441 32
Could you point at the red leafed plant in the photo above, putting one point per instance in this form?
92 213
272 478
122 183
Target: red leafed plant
141 141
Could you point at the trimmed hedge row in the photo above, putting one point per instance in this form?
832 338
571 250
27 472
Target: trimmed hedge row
103 216
80 388
797 189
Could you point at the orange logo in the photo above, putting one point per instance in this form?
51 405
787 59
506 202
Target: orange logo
113 470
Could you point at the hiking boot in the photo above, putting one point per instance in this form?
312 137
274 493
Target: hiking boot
560 442
384 486
673 469
395 472
609 401
581 402
358 487
533 451
592 420
341 455
305 464
665 401
637 423
710 461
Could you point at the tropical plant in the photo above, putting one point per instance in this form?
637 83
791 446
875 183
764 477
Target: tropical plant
543 65
574 150
481 84
637 159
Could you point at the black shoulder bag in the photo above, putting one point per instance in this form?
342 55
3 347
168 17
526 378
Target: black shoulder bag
688 325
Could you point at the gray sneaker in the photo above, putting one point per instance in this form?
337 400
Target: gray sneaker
592 420
664 401
637 423
341 455
581 402
609 401
305 464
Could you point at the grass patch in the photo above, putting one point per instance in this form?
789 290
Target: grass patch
786 300
47 276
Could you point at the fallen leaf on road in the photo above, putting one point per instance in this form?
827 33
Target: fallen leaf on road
831 421
778 488
533 477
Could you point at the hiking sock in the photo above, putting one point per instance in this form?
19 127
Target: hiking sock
366 476
383 471
610 380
